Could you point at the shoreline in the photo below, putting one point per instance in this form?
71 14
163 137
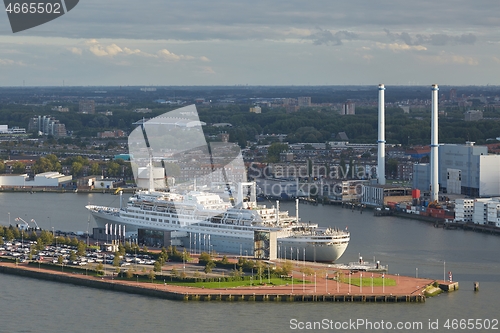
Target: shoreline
407 290
34 190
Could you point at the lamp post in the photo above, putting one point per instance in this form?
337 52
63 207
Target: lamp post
326 282
349 282
9 217
361 282
444 270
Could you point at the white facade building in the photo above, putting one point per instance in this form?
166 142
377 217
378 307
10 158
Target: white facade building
478 211
463 210
463 169
46 179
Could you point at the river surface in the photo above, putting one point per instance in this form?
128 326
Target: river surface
409 247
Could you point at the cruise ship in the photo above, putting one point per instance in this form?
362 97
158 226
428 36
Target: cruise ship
203 221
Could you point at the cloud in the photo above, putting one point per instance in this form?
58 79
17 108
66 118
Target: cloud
76 50
129 51
169 56
207 70
444 58
395 47
111 50
327 37
103 51
432 39
10 62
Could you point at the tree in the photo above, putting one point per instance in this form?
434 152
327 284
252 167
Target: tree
163 254
391 168
45 238
204 258
18 168
116 260
76 169
274 151
157 266
15 232
307 270
151 275
95 169
113 169
74 242
9 235
100 268
129 274
286 268
209 267
72 256
81 248
60 260
2 167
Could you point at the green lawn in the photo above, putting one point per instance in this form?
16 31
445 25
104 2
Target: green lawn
234 284
367 281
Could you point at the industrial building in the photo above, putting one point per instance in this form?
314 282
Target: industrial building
46 179
380 195
478 211
463 169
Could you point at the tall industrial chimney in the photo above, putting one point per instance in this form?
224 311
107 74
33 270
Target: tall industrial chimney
381 135
434 145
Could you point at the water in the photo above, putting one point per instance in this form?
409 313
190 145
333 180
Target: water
28 305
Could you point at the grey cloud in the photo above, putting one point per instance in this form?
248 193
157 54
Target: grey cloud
267 19
433 39
327 37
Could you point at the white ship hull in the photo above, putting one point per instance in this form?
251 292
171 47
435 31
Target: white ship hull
229 239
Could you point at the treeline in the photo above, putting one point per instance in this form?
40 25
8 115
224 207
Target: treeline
306 125
324 125
77 165
83 125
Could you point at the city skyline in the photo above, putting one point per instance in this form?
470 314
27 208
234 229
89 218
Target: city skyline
260 43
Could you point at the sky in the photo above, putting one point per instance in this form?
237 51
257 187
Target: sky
258 42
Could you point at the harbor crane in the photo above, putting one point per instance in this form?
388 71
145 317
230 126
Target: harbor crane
36 224
24 226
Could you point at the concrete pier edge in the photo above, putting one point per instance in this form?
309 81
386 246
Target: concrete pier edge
158 292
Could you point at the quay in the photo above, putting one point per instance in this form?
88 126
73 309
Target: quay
406 289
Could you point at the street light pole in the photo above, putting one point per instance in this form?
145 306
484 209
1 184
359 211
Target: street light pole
444 270
361 282
326 280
